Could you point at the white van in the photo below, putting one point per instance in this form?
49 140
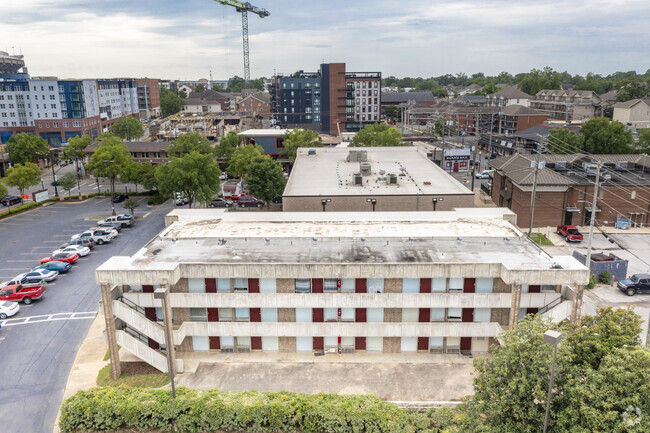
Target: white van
181 199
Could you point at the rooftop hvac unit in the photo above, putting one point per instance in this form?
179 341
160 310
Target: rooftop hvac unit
357 179
391 179
623 165
560 166
365 168
357 156
607 176
311 152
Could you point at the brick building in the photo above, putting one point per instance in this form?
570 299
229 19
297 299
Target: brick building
257 105
337 283
565 189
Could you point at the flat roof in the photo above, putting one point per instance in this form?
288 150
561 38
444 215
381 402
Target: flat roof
271 132
327 173
217 236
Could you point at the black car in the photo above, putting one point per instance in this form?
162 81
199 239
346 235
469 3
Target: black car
55 183
277 200
638 283
11 199
120 198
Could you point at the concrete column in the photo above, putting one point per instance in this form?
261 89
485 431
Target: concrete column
576 307
107 300
167 322
514 305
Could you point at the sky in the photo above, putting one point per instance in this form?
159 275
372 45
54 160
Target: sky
186 39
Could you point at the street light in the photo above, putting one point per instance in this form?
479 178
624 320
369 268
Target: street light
162 294
435 201
324 202
56 190
553 338
373 201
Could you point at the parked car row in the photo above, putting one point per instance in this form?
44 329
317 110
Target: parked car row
30 286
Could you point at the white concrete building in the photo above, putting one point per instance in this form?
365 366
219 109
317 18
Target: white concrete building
429 282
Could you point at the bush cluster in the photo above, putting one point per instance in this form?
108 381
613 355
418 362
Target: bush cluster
156 199
605 277
115 408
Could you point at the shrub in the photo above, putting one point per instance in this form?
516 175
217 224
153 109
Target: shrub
156 199
110 408
605 277
592 282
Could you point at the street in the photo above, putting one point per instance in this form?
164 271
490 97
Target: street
38 345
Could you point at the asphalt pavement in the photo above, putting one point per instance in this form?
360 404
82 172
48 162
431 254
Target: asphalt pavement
38 345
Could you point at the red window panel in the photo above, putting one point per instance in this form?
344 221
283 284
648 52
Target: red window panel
465 344
425 315
534 289
215 343
318 315
317 285
425 285
423 342
256 343
469 285
153 344
147 289
531 311
255 315
360 285
150 313
210 285
253 285
360 315
319 343
468 314
213 314
360 343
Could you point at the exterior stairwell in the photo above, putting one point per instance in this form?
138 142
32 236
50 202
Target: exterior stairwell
558 310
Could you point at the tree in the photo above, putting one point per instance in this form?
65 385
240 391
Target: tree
3 189
643 145
228 145
148 176
236 84
171 102
192 142
442 128
299 138
128 128
132 172
194 174
265 179
242 158
26 147
633 90
76 149
68 181
131 203
489 89
109 159
200 88
564 141
604 136
393 112
23 176
379 134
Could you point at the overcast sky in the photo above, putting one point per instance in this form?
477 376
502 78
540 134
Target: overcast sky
185 39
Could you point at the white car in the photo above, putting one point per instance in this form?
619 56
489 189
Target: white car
80 250
485 174
8 309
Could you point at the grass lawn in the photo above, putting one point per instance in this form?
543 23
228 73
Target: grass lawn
151 380
540 239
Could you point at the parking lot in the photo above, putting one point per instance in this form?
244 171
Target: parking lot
39 344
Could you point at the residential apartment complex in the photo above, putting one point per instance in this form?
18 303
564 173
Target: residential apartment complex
149 97
339 283
568 104
331 100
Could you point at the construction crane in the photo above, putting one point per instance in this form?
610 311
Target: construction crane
244 8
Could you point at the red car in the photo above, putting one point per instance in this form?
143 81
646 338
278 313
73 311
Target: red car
249 201
61 257
570 233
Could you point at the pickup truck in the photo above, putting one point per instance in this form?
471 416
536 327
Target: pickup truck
18 292
570 233
99 236
117 221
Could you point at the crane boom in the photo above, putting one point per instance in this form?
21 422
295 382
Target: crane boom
244 8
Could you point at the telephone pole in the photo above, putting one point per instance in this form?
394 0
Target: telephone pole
532 197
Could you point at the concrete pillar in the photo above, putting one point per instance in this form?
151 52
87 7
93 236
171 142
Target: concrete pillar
107 301
515 303
167 322
576 307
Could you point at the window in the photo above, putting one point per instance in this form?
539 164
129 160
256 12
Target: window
581 195
303 315
330 285
267 285
225 314
240 284
375 315
331 314
347 285
196 285
199 314
482 314
375 285
65 124
223 284
453 344
227 342
601 194
269 314
347 314
437 315
303 285
633 195
455 284
484 285
411 285
330 342
454 314
410 314
242 314
55 124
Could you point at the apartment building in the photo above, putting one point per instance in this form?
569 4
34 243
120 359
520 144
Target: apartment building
331 100
148 97
568 105
328 283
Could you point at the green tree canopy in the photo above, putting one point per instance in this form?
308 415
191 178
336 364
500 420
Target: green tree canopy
23 176
3 189
76 148
601 135
265 179
109 159
68 181
242 158
227 145
148 176
297 138
131 204
643 143
379 134
194 174
171 102
564 141
633 90
237 84
393 112
192 142
128 128
132 172
441 127
26 147
199 88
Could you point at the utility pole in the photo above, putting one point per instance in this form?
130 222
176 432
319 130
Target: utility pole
489 146
532 197
473 166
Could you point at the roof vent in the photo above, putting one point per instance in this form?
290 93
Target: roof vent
357 179
365 168
391 179
311 152
268 241
560 166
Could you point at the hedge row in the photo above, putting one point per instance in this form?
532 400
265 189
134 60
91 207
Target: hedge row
115 408
25 207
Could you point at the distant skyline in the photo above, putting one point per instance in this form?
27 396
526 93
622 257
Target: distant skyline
184 40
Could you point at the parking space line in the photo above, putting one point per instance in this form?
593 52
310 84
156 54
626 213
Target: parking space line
49 318
11 269
19 261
